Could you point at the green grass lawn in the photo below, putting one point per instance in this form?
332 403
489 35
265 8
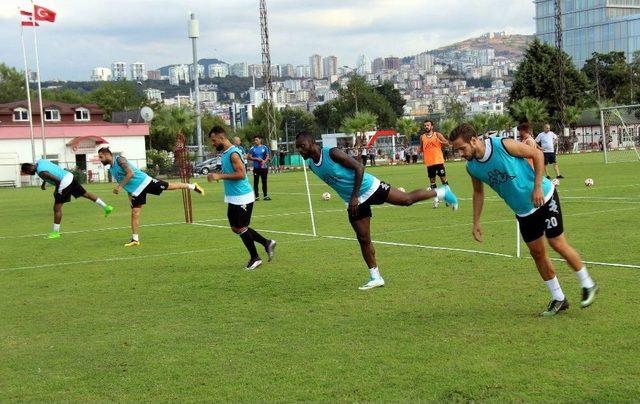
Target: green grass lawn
84 319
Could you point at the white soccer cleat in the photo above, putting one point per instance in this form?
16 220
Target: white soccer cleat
373 283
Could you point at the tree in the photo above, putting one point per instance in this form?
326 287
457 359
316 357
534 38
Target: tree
296 120
610 76
393 96
446 126
66 95
11 84
359 124
407 127
456 110
117 96
168 123
480 123
530 110
535 78
500 122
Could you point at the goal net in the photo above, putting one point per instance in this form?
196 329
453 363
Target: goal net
621 126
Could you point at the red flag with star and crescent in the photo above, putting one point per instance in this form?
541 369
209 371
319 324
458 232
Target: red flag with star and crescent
43 14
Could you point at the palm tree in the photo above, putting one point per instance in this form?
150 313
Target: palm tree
481 123
359 124
530 110
168 123
500 123
446 126
407 127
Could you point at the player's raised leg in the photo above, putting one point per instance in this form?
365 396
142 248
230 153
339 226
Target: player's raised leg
106 208
182 185
362 227
400 198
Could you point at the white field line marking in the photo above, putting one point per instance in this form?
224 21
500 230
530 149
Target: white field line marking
135 257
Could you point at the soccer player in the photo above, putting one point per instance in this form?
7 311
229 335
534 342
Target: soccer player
431 143
66 186
260 154
360 191
238 143
547 141
238 196
524 130
501 164
138 184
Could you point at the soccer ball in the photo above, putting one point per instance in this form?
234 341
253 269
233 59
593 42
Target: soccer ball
555 182
326 196
401 189
588 182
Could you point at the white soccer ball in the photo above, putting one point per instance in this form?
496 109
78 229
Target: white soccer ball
555 182
401 189
588 182
326 196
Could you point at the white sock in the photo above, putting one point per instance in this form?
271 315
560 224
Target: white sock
56 227
101 203
555 289
134 237
440 193
192 186
584 278
375 273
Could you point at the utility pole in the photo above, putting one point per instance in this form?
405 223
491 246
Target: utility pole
272 133
194 33
560 74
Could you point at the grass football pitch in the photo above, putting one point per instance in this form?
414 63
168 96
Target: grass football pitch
84 319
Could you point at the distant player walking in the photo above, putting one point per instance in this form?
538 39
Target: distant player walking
137 184
260 155
431 143
547 141
66 186
238 196
501 164
360 191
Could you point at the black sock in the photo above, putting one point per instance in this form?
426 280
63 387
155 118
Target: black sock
247 239
257 237
434 186
445 183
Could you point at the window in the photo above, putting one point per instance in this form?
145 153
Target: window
20 115
82 114
51 115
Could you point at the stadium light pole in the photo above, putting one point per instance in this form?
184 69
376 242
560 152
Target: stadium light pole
194 33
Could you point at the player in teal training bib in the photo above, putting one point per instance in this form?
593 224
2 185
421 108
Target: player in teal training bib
239 197
137 184
360 190
502 164
66 186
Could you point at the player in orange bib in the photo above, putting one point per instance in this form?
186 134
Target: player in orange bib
431 143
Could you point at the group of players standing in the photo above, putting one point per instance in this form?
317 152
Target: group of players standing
514 170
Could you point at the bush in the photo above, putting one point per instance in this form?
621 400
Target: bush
159 162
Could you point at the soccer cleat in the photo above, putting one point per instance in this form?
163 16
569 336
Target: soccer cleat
198 188
588 296
254 263
257 198
450 198
52 235
436 202
133 243
107 210
266 198
555 307
271 249
373 283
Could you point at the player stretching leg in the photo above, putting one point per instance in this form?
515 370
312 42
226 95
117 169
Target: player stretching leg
431 143
239 196
502 164
138 184
66 186
360 190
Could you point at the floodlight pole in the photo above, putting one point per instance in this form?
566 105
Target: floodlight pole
194 33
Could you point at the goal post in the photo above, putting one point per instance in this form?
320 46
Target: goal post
620 128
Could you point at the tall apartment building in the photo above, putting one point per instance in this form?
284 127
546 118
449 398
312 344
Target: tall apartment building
119 70
218 70
303 71
138 71
486 56
377 65
239 69
425 61
315 62
392 63
330 66
101 74
363 65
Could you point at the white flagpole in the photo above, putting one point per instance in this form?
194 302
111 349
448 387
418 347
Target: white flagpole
26 82
306 181
35 43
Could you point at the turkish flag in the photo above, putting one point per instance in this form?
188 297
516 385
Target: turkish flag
43 14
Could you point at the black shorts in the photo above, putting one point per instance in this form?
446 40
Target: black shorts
155 187
549 158
377 198
239 215
545 221
436 169
74 189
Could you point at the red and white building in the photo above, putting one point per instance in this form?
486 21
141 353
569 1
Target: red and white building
73 135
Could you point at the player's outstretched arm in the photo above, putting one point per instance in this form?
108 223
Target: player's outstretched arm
344 160
47 177
478 203
519 149
238 170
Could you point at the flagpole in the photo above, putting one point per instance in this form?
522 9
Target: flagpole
26 82
35 43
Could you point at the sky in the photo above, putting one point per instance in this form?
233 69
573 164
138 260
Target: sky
94 33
